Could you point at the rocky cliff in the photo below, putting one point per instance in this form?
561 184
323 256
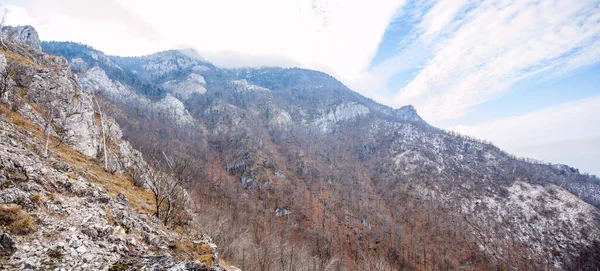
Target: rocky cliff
67 199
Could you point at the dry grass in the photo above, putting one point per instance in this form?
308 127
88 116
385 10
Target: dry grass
207 259
18 58
92 170
190 251
15 220
36 198
109 217
87 167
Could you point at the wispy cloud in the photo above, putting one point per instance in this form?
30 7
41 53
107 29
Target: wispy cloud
478 49
336 36
570 127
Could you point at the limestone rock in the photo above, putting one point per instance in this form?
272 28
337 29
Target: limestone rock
24 35
408 113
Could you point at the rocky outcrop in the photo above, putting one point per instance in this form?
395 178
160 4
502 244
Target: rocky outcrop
342 112
96 80
408 113
23 35
243 85
193 84
173 107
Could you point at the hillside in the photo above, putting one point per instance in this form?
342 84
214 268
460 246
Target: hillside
297 157
68 198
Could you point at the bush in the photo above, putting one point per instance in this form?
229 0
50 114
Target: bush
15 220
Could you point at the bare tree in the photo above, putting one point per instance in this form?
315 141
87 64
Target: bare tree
1 26
164 177
103 127
5 77
48 119
167 194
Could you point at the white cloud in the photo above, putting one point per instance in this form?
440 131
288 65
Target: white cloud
565 133
440 15
336 36
480 49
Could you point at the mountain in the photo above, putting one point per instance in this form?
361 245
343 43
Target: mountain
296 152
68 198
301 173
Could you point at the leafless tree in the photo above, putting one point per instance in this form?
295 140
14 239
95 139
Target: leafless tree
48 119
1 26
5 77
103 127
164 177
168 194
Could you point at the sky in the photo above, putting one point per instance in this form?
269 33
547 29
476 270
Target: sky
523 74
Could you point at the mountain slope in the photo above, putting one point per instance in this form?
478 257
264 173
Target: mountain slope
67 198
349 179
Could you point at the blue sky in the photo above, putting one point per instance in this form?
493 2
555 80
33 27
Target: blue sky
524 74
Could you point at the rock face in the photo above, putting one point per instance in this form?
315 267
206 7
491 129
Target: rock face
193 84
23 35
342 112
408 113
63 215
173 107
243 85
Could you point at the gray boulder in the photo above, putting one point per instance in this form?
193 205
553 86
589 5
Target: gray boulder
7 244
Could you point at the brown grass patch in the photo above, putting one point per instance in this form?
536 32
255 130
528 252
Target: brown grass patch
36 198
15 220
207 259
109 217
190 251
19 58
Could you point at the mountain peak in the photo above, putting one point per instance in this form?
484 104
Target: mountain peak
408 113
26 35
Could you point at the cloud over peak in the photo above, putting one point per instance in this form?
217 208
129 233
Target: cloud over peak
333 35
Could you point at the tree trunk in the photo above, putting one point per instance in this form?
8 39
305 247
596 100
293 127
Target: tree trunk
103 133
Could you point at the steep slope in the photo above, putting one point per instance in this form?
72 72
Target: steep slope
67 200
348 178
